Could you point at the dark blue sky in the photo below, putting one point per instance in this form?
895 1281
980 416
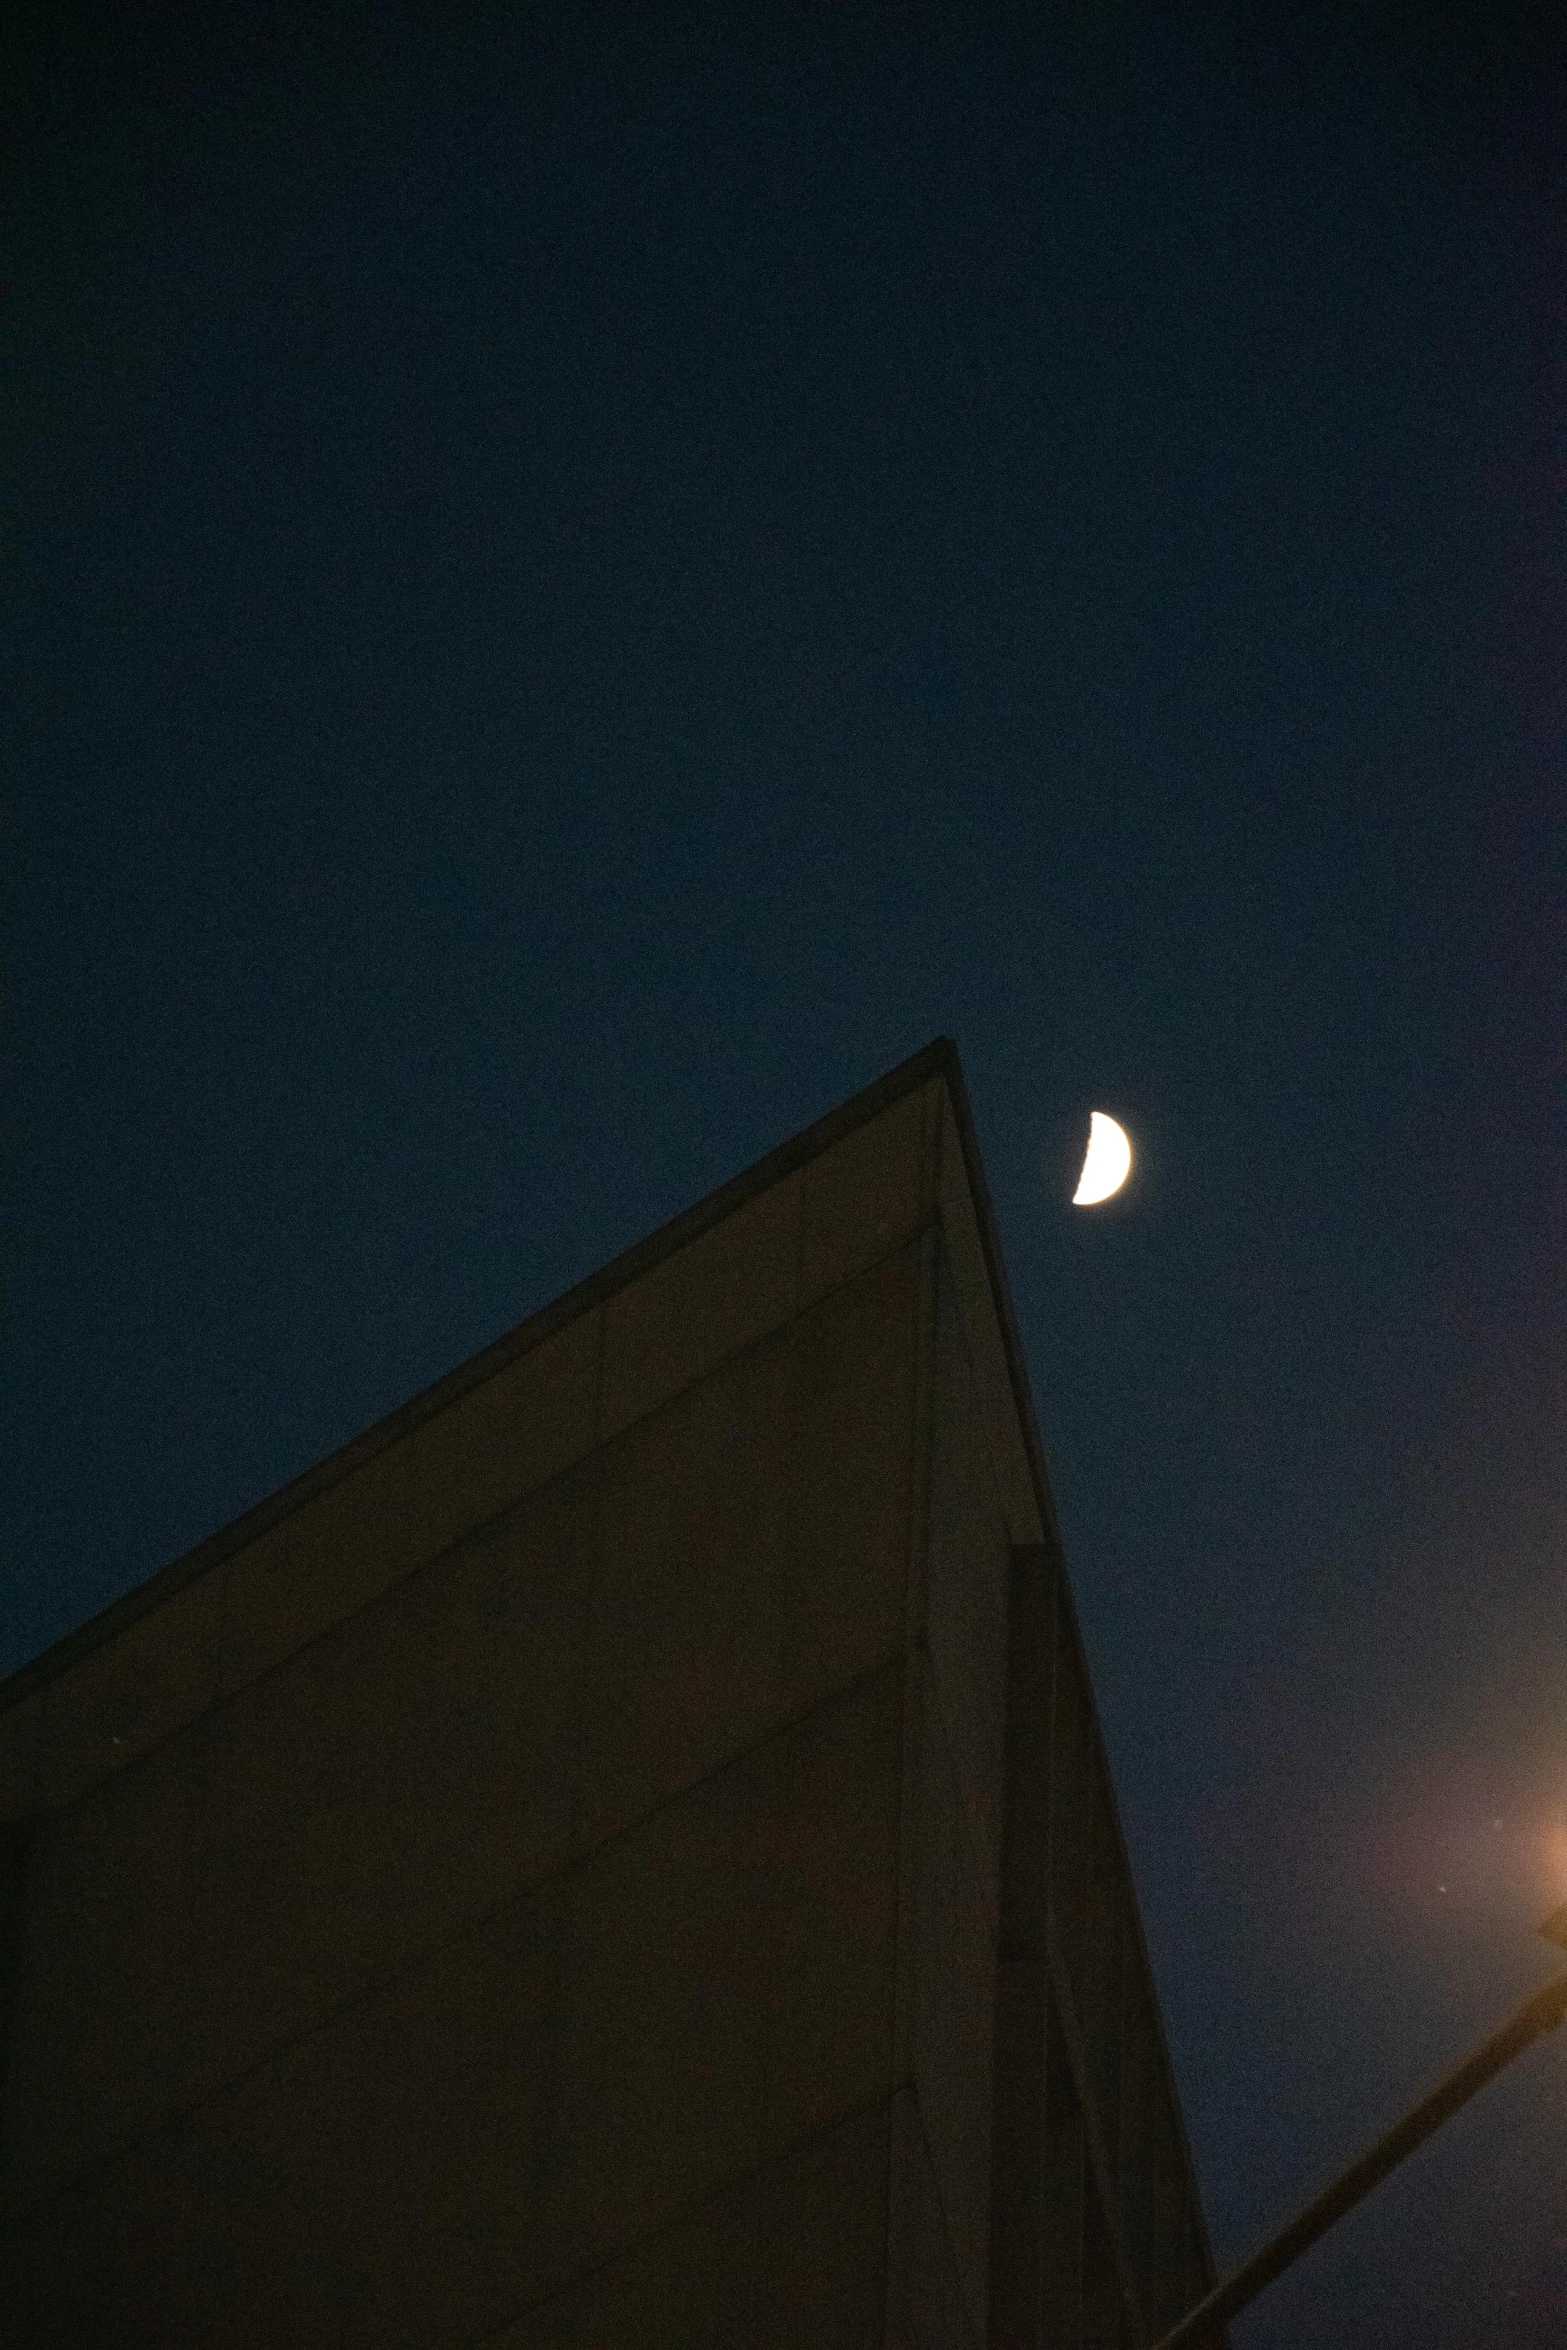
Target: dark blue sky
580 583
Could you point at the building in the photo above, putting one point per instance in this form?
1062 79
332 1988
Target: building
620 1854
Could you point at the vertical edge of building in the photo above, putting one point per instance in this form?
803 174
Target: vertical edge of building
620 1854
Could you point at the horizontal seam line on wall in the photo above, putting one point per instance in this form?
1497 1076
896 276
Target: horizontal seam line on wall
474 1533
367 1992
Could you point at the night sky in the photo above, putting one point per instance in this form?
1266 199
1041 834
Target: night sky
580 582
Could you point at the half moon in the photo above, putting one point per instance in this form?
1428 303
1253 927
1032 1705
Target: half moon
1107 1164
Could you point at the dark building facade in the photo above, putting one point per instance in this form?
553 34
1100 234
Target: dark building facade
621 1854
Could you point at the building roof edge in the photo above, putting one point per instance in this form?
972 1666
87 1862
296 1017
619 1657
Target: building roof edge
938 1058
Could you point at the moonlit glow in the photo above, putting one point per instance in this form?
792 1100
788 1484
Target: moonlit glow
1107 1165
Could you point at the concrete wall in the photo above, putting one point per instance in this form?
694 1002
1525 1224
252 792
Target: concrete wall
541 1880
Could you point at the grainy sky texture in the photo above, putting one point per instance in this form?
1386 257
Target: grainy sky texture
579 582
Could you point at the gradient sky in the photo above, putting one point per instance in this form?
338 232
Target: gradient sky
580 583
